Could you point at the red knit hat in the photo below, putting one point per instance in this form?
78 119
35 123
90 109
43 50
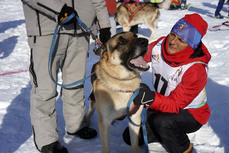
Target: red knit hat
191 29
198 22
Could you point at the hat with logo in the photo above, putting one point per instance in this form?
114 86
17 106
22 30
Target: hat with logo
191 28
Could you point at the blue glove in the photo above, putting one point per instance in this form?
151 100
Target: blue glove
145 96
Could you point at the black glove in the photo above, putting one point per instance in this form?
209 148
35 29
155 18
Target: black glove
145 96
65 13
104 35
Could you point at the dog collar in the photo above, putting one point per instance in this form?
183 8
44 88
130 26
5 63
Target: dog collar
125 91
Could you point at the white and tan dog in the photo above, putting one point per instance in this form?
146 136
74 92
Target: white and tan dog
117 77
148 14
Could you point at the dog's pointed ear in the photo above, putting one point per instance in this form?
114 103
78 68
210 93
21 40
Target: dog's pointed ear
99 51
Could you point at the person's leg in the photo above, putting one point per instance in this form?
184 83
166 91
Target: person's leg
183 4
173 129
151 135
74 69
43 93
134 29
113 24
219 8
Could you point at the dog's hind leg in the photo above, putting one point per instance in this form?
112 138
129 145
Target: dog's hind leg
90 110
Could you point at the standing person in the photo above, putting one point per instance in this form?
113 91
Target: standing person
176 4
179 70
71 52
112 10
218 10
183 4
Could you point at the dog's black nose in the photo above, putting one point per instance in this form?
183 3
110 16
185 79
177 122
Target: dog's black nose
142 42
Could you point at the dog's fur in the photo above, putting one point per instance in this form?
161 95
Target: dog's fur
117 77
148 15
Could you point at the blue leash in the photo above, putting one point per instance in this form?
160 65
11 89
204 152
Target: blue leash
143 119
52 48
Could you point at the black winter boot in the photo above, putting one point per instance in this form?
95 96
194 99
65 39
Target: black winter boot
183 5
54 147
150 136
134 29
85 133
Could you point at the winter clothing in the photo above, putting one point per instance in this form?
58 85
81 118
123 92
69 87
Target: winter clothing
179 79
134 29
176 4
41 16
105 34
71 50
191 29
85 133
113 24
111 6
183 4
184 92
145 96
152 137
112 10
218 9
172 128
65 13
54 147
43 92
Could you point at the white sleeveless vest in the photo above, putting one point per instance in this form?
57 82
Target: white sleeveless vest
166 78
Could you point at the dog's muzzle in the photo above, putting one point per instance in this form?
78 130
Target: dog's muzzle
140 49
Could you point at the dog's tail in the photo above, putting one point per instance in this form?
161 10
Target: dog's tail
165 4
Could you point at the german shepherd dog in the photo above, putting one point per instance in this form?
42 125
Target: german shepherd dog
117 77
148 14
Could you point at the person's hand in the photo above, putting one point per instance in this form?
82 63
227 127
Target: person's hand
104 35
145 96
65 13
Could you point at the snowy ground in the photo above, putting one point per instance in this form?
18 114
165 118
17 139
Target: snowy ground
15 129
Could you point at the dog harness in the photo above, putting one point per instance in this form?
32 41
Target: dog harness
132 13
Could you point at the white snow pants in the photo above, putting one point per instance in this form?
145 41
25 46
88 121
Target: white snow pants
113 24
70 58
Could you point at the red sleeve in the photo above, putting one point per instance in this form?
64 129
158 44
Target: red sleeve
193 82
147 56
111 6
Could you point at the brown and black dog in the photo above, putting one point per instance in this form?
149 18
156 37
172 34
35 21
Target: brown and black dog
130 14
117 77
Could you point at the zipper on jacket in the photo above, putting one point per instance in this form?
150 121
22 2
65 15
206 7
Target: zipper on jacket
73 6
38 22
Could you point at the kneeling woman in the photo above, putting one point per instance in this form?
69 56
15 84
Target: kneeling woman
179 69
